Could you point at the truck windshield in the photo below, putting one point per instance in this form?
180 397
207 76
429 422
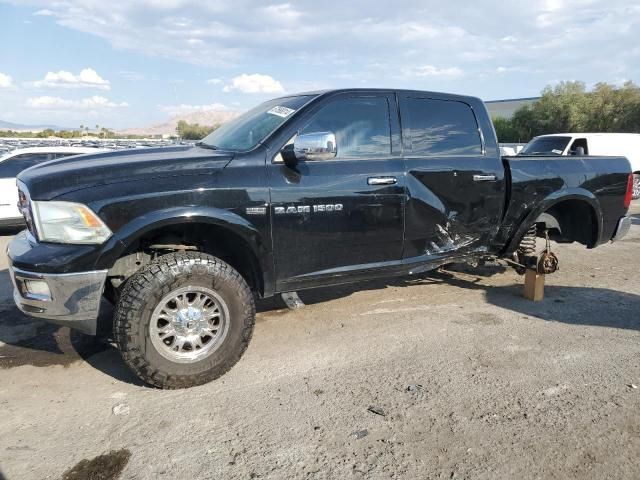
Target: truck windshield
252 127
546 146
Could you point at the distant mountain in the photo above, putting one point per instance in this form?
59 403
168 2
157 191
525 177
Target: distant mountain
28 128
208 118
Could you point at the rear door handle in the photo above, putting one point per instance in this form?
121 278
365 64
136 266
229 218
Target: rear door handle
382 180
484 178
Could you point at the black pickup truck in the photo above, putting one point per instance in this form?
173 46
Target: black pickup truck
302 191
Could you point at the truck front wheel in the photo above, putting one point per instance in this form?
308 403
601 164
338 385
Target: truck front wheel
184 320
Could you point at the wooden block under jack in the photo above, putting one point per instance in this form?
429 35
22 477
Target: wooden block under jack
533 285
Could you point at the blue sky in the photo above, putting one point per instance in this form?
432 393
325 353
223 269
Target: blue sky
123 63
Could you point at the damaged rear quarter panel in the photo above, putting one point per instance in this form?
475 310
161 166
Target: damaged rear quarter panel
538 183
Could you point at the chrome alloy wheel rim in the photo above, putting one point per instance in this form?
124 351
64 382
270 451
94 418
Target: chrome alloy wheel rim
189 324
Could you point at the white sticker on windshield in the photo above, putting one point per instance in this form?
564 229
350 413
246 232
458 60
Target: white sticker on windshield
281 111
556 151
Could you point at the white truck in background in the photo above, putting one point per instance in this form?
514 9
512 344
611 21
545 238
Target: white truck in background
602 144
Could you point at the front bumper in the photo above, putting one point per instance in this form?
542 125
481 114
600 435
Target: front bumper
624 224
69 299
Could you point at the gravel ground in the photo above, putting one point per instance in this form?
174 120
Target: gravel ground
451 375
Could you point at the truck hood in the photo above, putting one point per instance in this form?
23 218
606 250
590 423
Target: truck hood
58 177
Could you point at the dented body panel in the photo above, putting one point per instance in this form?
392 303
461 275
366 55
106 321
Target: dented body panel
448 210
323 222
539 183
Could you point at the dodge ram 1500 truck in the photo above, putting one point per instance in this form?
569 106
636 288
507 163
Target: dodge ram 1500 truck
302 191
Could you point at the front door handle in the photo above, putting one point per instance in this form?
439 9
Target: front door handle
382 180
484 178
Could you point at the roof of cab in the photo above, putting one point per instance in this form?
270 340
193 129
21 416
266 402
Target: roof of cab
383 90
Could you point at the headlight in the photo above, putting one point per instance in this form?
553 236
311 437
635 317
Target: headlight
66 222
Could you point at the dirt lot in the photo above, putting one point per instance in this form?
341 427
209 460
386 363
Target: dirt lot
451 375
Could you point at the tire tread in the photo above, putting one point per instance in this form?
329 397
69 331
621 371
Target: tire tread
165 272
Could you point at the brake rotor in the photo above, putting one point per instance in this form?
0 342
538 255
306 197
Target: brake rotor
547 262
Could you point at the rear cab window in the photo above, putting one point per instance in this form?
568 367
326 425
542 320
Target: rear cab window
434 127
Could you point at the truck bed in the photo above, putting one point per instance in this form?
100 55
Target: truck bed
535 183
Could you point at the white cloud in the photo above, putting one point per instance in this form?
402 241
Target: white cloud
87 78
221 33
254 83
186 108
5 81
415 31
131 75
282 13
588 39
44 13
95 102
432 71
215 81
518 69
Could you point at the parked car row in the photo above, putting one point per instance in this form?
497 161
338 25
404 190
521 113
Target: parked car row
9 144
19 159
18 154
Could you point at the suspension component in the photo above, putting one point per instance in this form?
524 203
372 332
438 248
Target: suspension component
547 261
528 243
525 256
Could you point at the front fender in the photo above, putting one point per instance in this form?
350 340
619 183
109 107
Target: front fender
137 227
549 201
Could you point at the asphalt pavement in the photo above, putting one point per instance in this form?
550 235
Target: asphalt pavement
452 374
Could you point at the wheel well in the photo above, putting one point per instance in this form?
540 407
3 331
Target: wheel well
571 221
211 239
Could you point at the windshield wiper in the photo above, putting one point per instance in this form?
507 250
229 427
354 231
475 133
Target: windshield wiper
206 145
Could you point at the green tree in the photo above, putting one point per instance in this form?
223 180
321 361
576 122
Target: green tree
46 133
193 131
561 109
505 130
569 107
615 109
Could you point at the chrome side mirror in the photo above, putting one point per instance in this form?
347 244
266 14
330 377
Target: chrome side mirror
315 146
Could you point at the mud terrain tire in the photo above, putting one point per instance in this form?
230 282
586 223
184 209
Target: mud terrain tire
141 299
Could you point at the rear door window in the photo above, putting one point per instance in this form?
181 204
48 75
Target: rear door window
440 127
